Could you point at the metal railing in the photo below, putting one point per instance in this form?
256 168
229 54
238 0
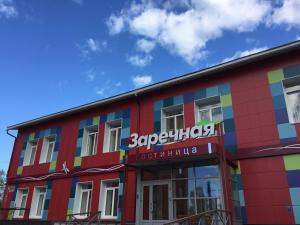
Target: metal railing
82 219
212 217
12 211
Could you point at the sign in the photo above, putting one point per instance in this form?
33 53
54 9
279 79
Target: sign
197 131
184 152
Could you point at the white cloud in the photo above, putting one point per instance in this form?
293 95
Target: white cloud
184 29
100 91
7 9
115 24
250 40
287 14
90 75
240 54
91 46
298 38
140 61
145 45
118 84
108 88
140 81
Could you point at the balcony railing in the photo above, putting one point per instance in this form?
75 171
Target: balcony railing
212 217
82 219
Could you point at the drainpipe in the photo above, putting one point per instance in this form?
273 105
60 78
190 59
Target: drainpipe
138 171
124 217
13 152
223 166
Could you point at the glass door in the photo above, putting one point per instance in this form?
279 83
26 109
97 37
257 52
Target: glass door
156 202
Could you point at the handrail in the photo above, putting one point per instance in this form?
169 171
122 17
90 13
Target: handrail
14 208
11 210
202 215
95 217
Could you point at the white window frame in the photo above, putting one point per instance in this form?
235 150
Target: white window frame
34 202
78 199
85 143
108 130
28 152
287 90
208 103
103 195
210 108
18 202
165 117
45 148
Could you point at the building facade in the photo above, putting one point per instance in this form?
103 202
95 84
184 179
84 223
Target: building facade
222 138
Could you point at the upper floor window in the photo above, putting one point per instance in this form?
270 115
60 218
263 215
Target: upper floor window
20 203
38 202
209 110
47 149
109 196
30 153
90 141
172 119
113 136
292 93
83 199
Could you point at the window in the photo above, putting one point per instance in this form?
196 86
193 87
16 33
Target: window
172 119
90 141
292 94
113 134
208 110
21 199
211 113
30 153
83 199
109 196
196 190
47 149
38 202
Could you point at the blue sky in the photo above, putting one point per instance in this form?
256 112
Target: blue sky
63 53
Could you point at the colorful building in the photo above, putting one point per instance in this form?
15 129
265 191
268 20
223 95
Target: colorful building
226 138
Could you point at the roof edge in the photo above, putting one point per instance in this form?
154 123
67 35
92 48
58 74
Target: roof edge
186 77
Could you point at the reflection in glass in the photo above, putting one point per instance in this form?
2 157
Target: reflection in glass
183 173
216 114
208 188
206 171
294 104
146 203
160 202
184 207
204 115
183 188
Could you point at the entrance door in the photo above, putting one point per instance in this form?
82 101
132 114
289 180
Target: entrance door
156 202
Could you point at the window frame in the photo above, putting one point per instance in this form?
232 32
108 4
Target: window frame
28 153
78 199
107 138
85 143
18 202
206 103
45 148
165 117
34 202
103 196
210 108
194 178
286 90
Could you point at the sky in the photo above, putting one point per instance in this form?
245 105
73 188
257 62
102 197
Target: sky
57 54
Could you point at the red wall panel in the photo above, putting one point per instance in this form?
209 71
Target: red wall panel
266 191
